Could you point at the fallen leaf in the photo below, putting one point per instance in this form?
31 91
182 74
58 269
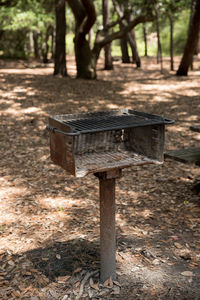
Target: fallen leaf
77 270
45 258
187 273
93 285
108 283
177 245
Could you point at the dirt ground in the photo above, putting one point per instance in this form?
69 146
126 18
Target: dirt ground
49 220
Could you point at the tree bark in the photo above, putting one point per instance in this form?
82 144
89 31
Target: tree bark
132 42
197 50
108 65
131 34
35 45
124 49
45 45
85 16
191 42
159 48
171 22
53 43
60 51
145 40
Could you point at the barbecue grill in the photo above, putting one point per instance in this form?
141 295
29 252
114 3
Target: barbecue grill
100 141
103 143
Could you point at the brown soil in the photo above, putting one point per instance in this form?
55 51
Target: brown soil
49 220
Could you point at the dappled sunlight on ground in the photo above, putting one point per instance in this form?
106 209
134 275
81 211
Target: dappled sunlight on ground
49 220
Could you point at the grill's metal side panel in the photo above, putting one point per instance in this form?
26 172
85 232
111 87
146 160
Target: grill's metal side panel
62 147
146 140
98 142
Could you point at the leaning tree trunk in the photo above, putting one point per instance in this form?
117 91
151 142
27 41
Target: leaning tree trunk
132 42
107 49
171 22
191 42
60 52
124 50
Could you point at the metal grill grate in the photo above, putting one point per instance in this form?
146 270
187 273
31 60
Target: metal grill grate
108 123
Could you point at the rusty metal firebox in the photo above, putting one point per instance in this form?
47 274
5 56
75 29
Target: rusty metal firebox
103 143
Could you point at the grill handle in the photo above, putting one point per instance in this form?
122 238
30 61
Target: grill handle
168 121
53 129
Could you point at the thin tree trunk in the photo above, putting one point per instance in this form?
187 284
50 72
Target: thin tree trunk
159 48
145 40
124 50
45 46
191 42
35 45
171 22
31 43
108 65
60 51
53 43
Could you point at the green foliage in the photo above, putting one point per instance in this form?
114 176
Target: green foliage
20 17
17 21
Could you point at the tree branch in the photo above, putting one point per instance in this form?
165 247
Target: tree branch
102 38
78 11
91 15
110 25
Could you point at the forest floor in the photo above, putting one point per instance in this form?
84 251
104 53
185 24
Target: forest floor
49 220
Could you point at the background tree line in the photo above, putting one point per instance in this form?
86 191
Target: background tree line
45 29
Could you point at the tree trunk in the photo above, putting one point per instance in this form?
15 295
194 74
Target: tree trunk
35 45
197 49
159 48
45 49
124 49
85 16
191 42
108 64
85 59
31 43
60 51
171 22
53 43
145 40
132 42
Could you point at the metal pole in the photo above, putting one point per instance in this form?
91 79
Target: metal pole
107 228
107 223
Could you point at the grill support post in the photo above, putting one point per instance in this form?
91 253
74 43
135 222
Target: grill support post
107 223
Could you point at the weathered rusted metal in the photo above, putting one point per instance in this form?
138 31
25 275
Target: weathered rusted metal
100 141
107 223
103 143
